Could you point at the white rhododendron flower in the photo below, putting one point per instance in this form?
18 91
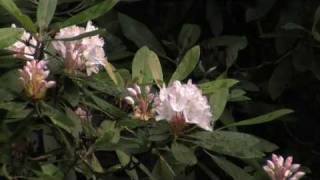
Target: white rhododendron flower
82 54
21 47
184 102
33 76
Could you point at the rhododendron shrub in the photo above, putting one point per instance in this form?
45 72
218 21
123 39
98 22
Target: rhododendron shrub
68 113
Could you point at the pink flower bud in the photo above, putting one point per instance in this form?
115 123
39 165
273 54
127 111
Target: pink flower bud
132 92
129 100
280 169
137 88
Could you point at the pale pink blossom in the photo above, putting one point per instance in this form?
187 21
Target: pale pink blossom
34 75
141 101
184 103
283 169
83 54
83 114
24 47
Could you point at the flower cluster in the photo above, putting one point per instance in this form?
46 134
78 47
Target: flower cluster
183 104
25 46
83 114
83 54
33 76
142 102
280 169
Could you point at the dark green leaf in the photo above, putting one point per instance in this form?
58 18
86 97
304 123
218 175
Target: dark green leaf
162 170
189 35
261 8
214 17
234 144
233 45
233 170
13 84
262 119
183 154
125 160
88 14
315 27
58 118
139 34
25 20
280 79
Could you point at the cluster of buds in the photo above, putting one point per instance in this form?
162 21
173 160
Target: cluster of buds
142 102
25 46
280 169
83 54
33 76
183 104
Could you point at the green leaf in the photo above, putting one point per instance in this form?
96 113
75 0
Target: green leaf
183 154
266 146
143 62
12 35
218 101
262 119
189 35
214 17
88 14
58 118
155 68
234 144
162 170
105 106
25 20
125 160
294 26
13 84
233 170
188 63
95 164
139 34
45 12
216 85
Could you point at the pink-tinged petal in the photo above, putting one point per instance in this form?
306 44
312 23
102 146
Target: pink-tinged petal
288 162
147 89
137 88
132 92
270 164
269 171
51 84
287 173
299 174
295 167
281 161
